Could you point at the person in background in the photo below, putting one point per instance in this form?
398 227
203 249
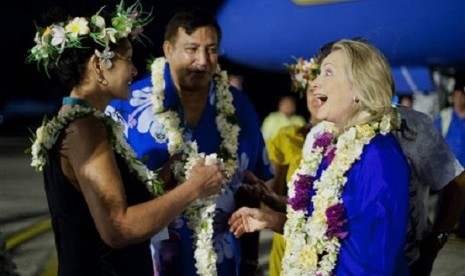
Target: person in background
406 100
451 123
343 188
285 151
186 106
101 198
434 169
285 116
236 81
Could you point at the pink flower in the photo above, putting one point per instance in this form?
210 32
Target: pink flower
58 36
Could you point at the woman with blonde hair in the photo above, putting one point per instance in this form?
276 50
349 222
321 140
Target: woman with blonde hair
348 200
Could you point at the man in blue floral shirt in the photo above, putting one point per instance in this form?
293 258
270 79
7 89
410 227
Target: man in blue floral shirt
185 99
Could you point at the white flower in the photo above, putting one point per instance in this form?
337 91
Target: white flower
58 36
108 35
385 124
106 57
40 136
98 21
78 26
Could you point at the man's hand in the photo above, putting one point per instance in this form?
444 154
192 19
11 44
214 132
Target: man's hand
262 192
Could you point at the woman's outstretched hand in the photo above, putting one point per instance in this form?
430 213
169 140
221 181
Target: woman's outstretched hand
247 220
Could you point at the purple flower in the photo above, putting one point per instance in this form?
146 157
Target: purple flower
336 221
330 154
136 32
323 140
134 14
302 186
330 274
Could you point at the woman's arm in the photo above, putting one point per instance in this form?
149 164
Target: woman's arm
89 154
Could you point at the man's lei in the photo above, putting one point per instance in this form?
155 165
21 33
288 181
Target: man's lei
200 213
47 134
56 38
313 240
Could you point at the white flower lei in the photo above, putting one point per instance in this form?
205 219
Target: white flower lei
200 213
308 249
47 134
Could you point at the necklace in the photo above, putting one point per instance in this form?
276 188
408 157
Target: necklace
75 101
200 213
313 240
47 134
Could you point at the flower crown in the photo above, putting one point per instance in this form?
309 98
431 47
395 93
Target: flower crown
54 39
302 73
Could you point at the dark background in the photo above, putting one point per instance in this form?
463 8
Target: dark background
28 94
424 36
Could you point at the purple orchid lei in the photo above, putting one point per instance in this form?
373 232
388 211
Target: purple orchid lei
336 213
314 240
304 182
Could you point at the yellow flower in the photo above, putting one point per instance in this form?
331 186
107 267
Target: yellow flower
47 31
308 257
364 131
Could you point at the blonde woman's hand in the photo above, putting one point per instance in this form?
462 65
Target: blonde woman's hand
247 220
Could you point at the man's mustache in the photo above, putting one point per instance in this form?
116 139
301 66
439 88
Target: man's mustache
199 69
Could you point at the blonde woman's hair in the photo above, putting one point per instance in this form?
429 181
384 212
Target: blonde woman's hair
372 82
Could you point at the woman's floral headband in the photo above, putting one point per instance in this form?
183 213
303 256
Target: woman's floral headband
302 73
54 39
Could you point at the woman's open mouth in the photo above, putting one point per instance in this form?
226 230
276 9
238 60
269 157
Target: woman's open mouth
321 99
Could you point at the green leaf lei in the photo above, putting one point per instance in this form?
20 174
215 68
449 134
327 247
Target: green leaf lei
47 134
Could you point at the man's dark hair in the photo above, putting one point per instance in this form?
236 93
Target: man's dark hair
191 20
460 82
